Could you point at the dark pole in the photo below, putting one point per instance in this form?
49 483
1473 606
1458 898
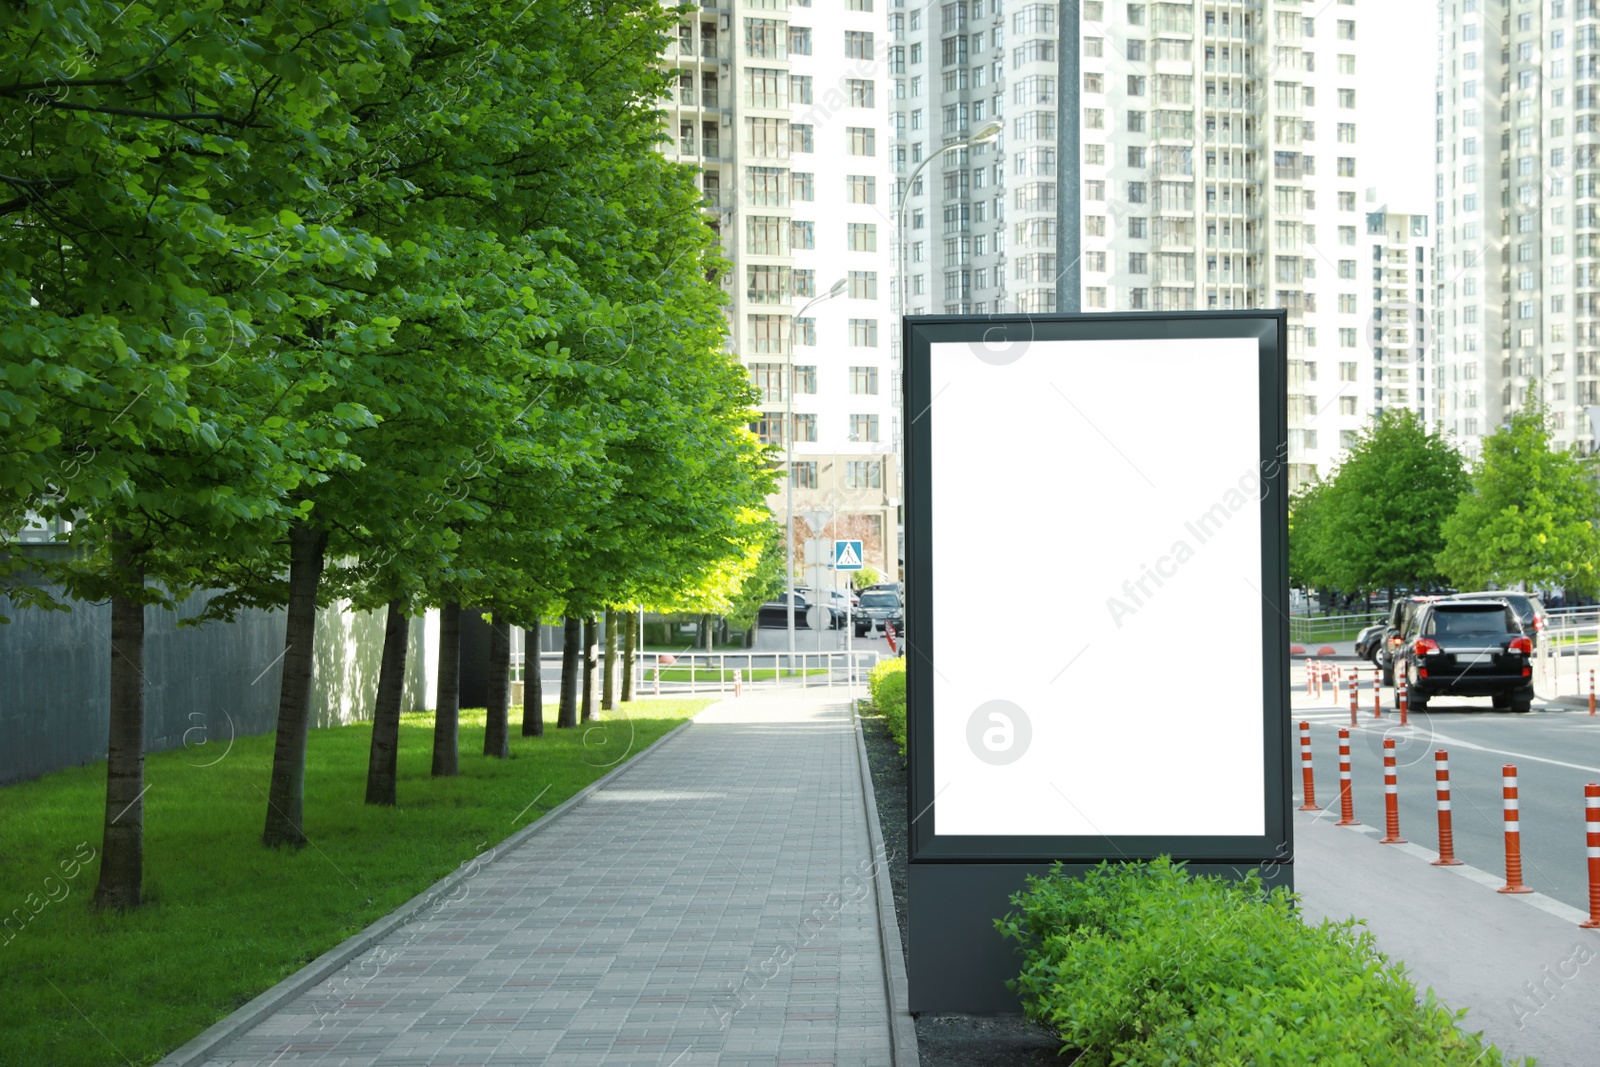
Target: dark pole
1069 222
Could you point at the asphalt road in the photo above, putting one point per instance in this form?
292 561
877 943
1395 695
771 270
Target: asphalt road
1556 749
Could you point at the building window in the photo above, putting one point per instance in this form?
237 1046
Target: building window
1346 29
768 378
864 333
864 428
1347 405
803 473
860 91
1347 337
1138 263
857 44
805 428
766 187
764 235
805 333
863 474
864 381
802 137
768 428
863 140
761 40
767 333
802 234
863 284
863 237
767 284
800 40
1094 296
802 186
800 88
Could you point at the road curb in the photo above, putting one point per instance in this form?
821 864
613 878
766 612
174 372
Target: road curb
226 1030
902 1030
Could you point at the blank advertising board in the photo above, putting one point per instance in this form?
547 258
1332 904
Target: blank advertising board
1096 588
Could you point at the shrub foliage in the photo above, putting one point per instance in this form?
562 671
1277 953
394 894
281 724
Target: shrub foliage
1140 963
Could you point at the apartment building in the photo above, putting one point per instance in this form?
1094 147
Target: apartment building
1219 169
1404 355
783 106
1518 215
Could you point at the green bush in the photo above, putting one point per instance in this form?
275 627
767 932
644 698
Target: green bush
887 684
1142 964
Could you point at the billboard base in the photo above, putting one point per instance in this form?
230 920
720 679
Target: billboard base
958 961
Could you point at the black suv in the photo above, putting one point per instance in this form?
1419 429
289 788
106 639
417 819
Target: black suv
876 607
1470 648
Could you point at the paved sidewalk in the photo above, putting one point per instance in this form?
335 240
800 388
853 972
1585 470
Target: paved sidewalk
1528 974
712 904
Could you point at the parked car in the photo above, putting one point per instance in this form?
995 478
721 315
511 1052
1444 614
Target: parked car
838 604
876 607
1369 640
776 612
1400 616
1530 610
1467 647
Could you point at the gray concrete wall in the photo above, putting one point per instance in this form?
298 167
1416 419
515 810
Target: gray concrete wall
206 682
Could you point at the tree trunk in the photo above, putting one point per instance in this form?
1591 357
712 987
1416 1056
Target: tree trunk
286 793
591 661
571 640
532 684
381 759
630 646
122 846
702 634
608 683
497 721
447 719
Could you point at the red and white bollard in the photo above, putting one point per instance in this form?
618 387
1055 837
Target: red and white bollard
1377 693
1355 695
1591 690
1308 786
738 683
1308 676
1591 825
1391 797
1513 832
1447 836
1347 804
1400 693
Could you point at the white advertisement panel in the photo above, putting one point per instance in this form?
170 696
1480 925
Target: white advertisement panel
1095 529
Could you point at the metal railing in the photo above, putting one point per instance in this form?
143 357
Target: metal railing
1304 629
714 672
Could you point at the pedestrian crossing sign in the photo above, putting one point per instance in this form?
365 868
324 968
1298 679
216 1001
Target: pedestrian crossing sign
847 555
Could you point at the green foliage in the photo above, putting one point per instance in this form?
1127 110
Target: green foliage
1530 517
867 576
1376 523
1140 963
226 919
887 686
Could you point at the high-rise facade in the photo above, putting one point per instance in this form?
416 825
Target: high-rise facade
783 105
1404 353
1518 216
1218 163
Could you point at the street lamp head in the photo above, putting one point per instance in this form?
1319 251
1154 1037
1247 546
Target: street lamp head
836 288
987 134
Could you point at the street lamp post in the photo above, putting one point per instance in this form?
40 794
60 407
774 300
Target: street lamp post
983 136
788 456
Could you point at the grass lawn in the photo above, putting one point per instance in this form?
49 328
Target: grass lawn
226 918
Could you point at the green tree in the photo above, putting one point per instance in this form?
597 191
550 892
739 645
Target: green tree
1380 516
1530 516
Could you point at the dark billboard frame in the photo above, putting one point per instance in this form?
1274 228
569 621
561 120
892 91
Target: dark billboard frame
1268 328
